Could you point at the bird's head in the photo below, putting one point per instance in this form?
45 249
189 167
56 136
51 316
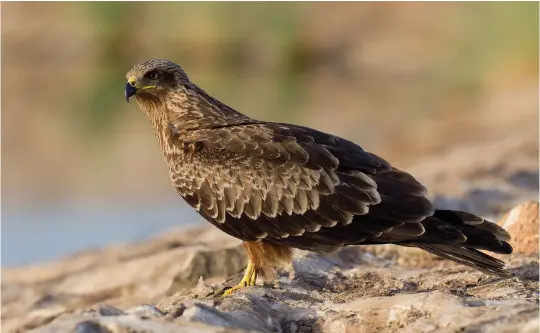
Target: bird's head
152 79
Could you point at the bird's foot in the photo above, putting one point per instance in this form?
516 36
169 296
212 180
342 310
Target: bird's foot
249 279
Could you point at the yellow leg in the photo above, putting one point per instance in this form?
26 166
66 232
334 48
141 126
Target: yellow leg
249 279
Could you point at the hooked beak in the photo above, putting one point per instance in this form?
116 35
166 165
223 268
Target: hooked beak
130 90
132 87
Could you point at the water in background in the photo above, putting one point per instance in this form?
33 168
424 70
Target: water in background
57 231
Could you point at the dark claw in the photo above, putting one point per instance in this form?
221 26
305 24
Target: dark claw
224 290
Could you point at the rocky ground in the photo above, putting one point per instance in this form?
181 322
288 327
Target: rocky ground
169 283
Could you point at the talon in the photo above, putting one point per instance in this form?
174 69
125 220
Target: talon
224 290
227 291
249 279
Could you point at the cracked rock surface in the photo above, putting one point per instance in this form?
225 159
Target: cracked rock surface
169 283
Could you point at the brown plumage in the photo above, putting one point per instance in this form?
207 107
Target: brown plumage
280 186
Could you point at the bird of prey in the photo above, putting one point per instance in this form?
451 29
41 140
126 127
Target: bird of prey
280 186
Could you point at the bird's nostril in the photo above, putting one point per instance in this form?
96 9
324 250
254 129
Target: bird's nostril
132 83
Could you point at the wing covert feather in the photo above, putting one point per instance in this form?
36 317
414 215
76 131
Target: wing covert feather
296 183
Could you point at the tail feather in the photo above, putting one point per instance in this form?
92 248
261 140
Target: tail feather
456 217
458 235
469 257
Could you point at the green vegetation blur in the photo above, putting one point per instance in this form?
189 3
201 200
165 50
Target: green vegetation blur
402 79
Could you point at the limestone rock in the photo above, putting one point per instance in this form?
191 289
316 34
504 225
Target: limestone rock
522 224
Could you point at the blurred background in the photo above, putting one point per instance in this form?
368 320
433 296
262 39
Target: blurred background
81 167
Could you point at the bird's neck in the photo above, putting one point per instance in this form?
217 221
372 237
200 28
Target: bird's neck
188 108
199 110
161 126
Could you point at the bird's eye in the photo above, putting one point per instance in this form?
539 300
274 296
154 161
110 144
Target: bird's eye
153 75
